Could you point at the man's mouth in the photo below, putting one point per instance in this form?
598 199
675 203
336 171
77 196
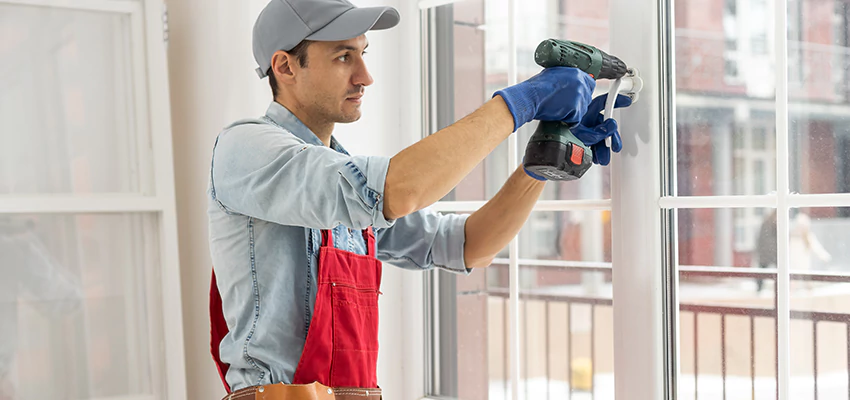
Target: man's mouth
355 99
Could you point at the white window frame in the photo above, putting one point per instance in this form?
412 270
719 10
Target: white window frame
148 30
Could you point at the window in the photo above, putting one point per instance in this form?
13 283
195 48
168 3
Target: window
840 52
758 28
563 253
795 42
743 278
88 298
730 32
753 254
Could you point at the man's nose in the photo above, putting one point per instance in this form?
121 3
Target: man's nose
361 75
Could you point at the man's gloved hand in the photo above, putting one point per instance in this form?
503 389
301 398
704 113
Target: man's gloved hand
554 94
532 174
593 129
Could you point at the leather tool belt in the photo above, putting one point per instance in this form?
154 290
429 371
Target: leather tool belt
313 391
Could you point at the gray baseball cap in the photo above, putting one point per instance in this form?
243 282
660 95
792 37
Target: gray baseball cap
285 23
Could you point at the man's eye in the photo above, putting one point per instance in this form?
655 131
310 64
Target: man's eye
343 58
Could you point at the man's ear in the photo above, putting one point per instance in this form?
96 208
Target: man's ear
282 65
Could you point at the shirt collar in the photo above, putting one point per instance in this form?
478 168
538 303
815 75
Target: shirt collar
281 116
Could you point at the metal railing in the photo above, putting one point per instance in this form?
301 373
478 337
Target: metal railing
696 309
752 312
547 299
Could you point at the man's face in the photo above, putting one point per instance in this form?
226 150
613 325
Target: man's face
330 87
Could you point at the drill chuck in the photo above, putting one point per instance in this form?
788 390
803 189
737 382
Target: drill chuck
612 67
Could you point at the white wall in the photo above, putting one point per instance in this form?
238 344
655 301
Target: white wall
213 83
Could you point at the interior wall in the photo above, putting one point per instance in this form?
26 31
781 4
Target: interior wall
212 83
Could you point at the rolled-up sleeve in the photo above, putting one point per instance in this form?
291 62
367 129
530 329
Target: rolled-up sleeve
266 173
424 240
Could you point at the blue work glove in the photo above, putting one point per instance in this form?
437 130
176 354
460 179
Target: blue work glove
554 94
593 129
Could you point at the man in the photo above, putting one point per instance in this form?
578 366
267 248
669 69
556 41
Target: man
298 226
766 245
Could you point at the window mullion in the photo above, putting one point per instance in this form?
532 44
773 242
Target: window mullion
783 316
513 248
636 217
159 125
119 6
540 205
79 204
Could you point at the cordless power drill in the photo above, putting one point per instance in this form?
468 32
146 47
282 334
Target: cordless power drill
553 152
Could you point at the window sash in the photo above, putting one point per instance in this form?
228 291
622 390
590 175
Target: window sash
152 106
646 364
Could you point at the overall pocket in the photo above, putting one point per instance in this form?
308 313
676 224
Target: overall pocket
355 335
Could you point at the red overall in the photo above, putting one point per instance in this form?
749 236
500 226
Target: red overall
342 343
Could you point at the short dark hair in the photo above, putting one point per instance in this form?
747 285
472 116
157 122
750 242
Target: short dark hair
300 54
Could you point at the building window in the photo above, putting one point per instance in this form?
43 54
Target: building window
839 50
754 173
758 28
730 32
795 42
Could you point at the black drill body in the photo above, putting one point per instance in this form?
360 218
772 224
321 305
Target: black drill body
553 152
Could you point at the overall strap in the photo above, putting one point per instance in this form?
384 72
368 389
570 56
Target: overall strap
368 236
327 238
371 247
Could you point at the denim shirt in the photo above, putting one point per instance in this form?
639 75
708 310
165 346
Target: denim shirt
273 187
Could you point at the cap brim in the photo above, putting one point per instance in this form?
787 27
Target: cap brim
356 22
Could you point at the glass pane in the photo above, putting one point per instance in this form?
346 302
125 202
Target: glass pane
67 114
472 346
725 237
567 235
820 302
470 66
566 316
731 353
567 348
818 66
728 317
820 152
75 304
570 20
818 240
480 335
725 91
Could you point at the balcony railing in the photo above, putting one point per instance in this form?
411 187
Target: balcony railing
540 302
